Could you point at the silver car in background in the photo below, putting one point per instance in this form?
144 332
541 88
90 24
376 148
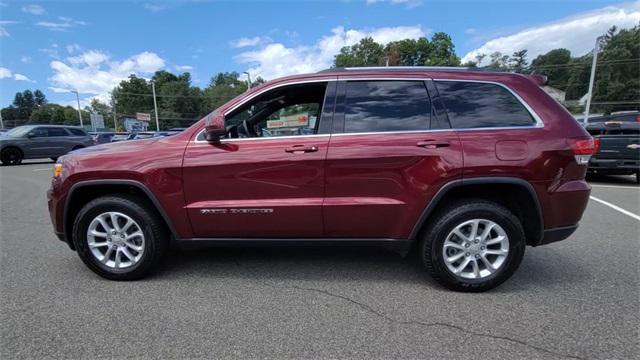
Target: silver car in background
41 141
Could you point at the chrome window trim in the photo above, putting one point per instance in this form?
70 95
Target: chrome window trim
224 141
538 121
534 115
309 81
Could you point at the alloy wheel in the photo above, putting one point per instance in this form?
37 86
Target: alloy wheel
115 240
475 249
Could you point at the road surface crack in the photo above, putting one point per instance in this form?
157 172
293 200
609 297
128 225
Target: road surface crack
408 322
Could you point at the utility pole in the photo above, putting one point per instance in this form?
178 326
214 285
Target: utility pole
1 123
155 104
592 78
248 80
115 125
79 112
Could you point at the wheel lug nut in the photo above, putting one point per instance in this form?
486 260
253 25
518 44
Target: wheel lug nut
477 256
476 241
467 254
467 245
481 247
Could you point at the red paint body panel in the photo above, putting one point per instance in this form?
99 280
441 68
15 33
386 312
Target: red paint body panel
354 186
245 174
388 167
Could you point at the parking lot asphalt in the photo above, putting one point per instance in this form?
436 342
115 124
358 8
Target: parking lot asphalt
574 299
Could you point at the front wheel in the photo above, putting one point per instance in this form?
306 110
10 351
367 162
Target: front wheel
119 237
473 246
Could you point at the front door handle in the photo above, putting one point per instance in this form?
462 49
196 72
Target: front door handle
297 149
432 144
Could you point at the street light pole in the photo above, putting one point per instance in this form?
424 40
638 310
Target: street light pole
248 80
115 125
79 112
592 78
155 104
1 123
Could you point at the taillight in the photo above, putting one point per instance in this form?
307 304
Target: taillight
596 145
638 119
582 149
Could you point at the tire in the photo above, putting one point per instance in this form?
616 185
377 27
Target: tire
11 156
638 177
54 159
458 214
146 220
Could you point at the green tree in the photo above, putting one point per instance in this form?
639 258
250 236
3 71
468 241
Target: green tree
408 52
442 51
518 61
40 98
367 52
555 66
222 88
133 95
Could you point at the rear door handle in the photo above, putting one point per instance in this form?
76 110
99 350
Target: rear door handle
295 149
432 144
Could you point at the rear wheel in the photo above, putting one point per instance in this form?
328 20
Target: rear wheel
11 156
119 237
54 159
473 246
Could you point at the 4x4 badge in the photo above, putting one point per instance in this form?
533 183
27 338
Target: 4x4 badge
633 146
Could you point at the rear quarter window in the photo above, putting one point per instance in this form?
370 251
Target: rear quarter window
482 105
77 132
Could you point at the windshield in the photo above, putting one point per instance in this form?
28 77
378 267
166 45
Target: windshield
20 131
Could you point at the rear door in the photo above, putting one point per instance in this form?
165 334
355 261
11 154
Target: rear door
391 150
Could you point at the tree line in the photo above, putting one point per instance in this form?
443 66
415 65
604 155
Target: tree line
617 85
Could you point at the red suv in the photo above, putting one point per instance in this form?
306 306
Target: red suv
470 166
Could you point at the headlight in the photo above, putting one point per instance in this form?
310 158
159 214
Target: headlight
57 170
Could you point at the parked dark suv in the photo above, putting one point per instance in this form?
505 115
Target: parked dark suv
41 141
470 166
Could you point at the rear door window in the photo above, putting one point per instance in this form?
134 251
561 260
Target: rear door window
482 105
77 132
379 106
57 132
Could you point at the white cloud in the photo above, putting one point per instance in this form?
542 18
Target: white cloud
246 42
276 60
71 48
25 59
20 77
94 72
8 74
408 3
154 7
576 33
183 67
33 9
5 73
64 24
3 30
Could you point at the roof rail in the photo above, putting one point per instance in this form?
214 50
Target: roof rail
401 68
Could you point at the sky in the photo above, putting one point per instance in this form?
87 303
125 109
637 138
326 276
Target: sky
56 46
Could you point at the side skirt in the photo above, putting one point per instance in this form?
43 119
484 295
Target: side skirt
398 245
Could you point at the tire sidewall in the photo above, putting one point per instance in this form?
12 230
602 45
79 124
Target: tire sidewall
441 230
137 213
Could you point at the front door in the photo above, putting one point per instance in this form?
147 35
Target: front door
266 179
391 150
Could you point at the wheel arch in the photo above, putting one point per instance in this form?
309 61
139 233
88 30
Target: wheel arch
83 192
512 192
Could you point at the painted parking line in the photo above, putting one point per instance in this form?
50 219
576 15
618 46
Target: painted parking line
616 186
49 169
616 208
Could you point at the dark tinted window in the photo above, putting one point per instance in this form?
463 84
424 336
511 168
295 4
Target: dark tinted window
478 105
373 106
39 132
57 132
77 132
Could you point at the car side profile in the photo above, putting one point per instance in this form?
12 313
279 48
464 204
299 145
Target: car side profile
41 141
468 167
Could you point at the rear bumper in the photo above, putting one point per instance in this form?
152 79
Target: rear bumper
614 166
557 234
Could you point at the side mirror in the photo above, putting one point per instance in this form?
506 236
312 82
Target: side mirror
215 127
31 134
